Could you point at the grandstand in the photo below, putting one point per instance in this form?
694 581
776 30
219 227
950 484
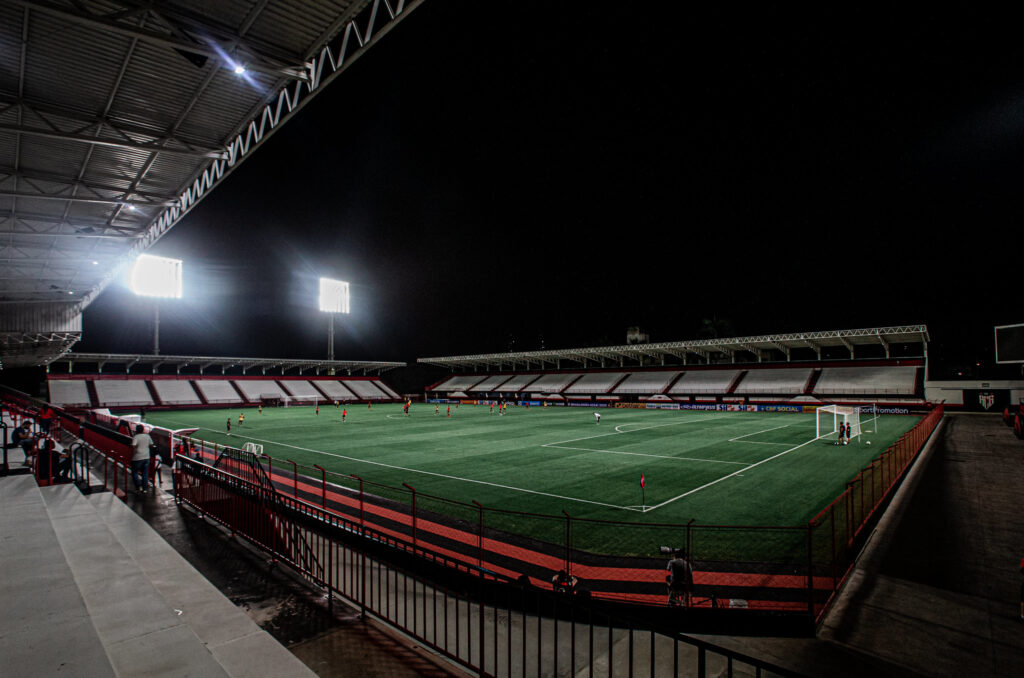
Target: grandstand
69 393
175 392
800 368
886 381
704 382
646 383
335 390
218 392
256 389
366 390
301 390
595 383
777 381
553 383
115 393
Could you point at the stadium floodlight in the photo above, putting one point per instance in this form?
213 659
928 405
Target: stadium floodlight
158 277
333 299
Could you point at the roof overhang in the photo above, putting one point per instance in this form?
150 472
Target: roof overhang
703 350
118 116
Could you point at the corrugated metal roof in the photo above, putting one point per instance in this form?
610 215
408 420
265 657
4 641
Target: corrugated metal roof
117 116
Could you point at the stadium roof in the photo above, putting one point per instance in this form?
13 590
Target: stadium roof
124 363
118 116
759 348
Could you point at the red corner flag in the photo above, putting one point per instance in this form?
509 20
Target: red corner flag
642 481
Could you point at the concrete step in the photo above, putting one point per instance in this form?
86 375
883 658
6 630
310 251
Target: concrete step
240 646
46 627
141 634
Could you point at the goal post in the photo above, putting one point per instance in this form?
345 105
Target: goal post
829 417
253 448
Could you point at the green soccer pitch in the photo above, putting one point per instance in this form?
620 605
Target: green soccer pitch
724 468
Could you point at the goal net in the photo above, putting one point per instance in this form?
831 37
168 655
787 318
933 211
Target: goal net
828 419
253 448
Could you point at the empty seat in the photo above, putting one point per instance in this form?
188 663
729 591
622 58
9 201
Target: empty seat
122 393
218 391
704 381
175 392
69 392
334 389
597 382
782 380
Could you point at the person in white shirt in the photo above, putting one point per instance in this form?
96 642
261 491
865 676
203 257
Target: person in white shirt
142 443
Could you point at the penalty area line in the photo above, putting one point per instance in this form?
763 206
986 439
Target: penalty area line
734 473
432 473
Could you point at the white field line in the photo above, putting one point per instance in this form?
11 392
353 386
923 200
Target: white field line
618 432
740 439
562 446
735 473
431 473
644 454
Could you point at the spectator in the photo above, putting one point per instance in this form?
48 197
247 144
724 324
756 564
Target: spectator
142 443
53 465
24 438
46 418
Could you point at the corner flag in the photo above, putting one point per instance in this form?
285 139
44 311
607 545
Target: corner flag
642 481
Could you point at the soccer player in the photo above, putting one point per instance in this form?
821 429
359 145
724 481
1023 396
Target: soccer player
492 407
848 433
260 409
405 408
241 418
437 409
344 413
841 429
449 411
597 415
229 425
318 409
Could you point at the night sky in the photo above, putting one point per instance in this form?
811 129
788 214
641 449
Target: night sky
498 176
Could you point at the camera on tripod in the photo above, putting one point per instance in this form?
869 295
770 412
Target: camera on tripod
669 551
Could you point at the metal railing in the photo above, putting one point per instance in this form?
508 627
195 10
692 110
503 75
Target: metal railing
485 622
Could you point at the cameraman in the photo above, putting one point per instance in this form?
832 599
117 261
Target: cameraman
680 578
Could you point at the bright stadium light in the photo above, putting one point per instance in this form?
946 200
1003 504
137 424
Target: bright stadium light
158 277
333 296
333 299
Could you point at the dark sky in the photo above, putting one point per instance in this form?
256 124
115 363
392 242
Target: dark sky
497 175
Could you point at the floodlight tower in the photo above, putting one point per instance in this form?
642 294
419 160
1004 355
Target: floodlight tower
158 277
333 300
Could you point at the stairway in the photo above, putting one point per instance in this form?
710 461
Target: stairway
92 590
